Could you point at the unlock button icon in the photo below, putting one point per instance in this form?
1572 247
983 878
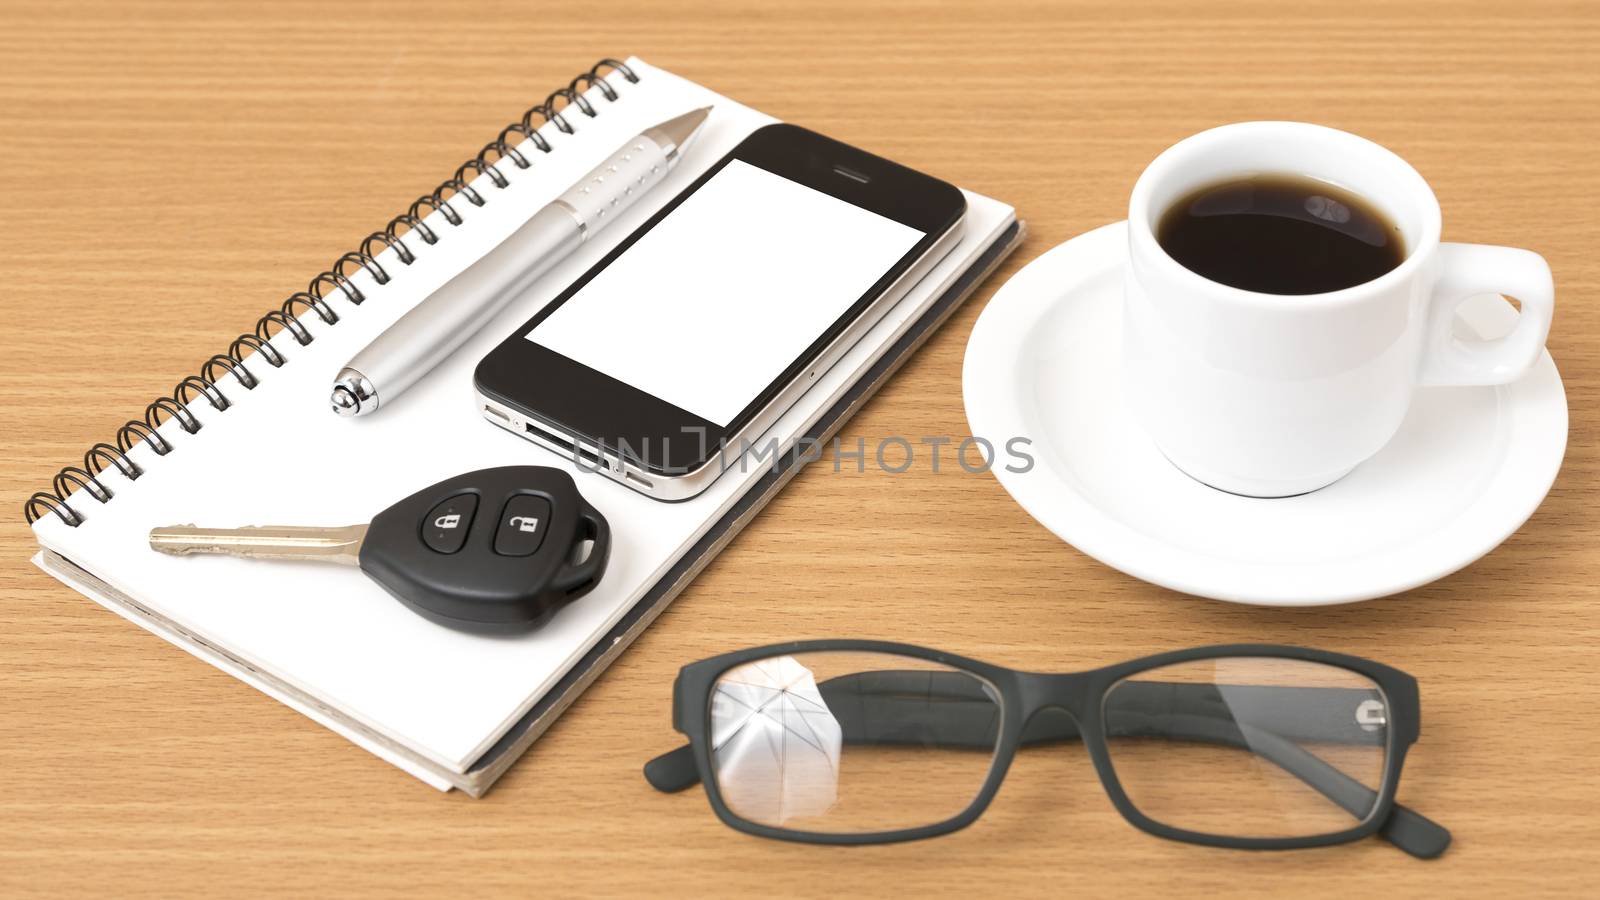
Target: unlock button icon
522 525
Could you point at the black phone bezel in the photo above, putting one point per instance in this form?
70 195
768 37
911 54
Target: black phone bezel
575 400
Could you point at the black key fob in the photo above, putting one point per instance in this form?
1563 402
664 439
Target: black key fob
497 550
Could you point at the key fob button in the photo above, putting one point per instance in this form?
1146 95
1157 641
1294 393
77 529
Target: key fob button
444 529
522 527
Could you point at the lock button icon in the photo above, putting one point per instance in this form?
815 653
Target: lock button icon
444 530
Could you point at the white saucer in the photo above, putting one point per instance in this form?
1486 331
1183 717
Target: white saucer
1467 468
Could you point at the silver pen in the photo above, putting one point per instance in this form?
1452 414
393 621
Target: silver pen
436 327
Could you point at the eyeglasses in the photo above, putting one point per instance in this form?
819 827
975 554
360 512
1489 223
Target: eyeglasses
864 742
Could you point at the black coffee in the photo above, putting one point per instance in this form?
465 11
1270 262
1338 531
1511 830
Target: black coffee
1280 234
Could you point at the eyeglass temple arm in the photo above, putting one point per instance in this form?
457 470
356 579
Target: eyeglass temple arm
951 709
1406 828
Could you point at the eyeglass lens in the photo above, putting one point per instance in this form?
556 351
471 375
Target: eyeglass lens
851 743
1249 747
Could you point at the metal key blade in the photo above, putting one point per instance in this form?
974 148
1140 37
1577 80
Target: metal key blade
335 545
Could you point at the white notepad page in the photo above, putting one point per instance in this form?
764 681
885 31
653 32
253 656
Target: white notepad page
280 456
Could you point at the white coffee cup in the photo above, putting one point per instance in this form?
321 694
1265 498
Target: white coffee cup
1272 396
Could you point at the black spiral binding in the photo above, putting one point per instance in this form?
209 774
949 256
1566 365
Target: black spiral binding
315 298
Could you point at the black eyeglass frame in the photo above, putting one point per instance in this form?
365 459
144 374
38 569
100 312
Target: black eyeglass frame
1082 696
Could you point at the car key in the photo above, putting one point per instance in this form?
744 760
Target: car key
494 550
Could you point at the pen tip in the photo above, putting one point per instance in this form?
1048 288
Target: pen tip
676 133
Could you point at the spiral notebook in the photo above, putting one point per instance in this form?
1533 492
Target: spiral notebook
248 439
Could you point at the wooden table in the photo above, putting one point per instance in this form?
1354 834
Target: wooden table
168 171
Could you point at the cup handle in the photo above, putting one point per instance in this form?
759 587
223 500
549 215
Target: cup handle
1467 270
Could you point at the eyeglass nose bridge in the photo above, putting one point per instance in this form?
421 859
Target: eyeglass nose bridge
1054 708
1070 692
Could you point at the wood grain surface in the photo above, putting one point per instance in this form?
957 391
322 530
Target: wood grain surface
169 170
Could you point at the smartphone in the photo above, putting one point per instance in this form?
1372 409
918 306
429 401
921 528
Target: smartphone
681 347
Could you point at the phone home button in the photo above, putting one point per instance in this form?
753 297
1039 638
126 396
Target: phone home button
522 525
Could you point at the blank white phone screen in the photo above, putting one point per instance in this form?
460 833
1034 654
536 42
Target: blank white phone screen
713 303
